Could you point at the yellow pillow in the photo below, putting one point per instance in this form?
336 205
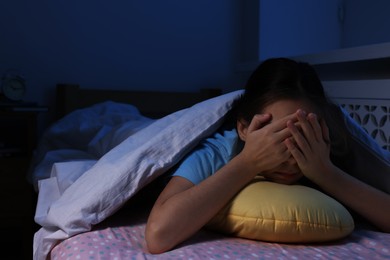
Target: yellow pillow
274 212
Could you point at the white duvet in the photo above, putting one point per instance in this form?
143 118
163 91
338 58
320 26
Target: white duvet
92 161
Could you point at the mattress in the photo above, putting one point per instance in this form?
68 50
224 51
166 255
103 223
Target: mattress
122 237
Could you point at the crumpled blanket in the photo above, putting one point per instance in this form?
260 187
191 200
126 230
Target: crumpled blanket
85 176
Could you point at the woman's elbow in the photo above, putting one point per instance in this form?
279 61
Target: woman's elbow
156 239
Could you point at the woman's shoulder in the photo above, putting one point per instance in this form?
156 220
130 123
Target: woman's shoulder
224 137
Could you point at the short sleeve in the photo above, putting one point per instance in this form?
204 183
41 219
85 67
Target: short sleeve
209 156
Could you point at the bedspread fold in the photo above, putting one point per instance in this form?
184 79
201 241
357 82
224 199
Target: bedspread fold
83 192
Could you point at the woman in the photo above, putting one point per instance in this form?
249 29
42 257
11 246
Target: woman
281 134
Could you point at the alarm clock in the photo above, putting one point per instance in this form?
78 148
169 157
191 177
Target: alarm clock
13 86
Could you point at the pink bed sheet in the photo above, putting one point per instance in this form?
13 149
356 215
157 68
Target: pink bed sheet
123 238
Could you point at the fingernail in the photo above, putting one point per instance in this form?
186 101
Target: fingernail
302 112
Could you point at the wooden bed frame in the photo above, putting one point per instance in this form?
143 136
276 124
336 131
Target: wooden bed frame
153 104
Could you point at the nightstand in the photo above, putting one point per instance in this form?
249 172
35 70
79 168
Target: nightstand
18 137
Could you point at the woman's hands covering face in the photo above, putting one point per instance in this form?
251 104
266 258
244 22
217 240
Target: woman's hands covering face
264 144
309 144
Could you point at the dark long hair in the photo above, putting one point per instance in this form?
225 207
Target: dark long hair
281 78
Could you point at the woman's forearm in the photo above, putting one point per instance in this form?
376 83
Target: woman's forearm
369 202
179 214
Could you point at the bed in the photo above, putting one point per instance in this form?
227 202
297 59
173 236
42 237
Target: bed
93 132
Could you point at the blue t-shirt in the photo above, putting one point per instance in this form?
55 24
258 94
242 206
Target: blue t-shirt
209 156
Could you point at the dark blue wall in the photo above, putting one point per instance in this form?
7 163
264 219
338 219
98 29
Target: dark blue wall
366 22
145 44
171 45
290 28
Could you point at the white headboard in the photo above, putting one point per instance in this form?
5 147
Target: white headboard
358 78
368 102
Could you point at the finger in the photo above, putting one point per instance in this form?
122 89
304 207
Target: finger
295 152
315 124
282 134
300 140
281 153
306 126
278 128
258 121
280 124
